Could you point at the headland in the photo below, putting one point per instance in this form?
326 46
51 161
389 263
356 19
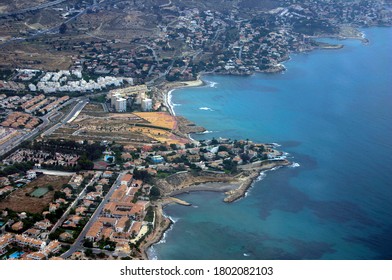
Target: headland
234 182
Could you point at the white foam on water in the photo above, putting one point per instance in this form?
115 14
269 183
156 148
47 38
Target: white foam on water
212 84
206 109
170 102
207 132
294 165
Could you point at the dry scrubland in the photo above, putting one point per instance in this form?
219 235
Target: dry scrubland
19 202
129 128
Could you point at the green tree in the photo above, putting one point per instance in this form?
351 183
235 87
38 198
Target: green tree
63 28
154 193
88 243
89 253
85 163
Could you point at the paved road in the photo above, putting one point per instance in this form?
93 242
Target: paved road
54 29
74 112
13 143
75 202
77 245
55 172
35 8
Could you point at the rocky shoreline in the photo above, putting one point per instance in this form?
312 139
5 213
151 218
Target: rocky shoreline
234 187
161 225
248 181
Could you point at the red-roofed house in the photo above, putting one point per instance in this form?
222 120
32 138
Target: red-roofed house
126 179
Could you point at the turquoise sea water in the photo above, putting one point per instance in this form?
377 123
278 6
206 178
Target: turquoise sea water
332 112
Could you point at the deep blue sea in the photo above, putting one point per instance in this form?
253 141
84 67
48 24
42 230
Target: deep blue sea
332 112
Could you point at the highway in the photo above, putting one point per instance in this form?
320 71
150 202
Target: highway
13 143
74 112
77 245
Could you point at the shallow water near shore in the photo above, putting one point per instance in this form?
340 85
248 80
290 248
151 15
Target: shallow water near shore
331 111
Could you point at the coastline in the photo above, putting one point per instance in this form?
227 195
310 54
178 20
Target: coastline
249 180
168 89
234 188
161 225
248 198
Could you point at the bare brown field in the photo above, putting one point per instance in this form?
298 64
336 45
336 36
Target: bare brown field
19 202
34 56
94 110
161 119
99 126
10 6
130 128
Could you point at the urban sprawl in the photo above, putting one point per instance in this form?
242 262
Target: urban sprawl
90 149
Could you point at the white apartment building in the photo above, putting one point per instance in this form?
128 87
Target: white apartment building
120 104
146 105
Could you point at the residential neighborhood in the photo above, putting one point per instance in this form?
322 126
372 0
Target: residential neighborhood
99 104
109 210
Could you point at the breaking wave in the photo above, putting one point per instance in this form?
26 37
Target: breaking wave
205 109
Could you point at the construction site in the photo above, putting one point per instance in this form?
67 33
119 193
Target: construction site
138 129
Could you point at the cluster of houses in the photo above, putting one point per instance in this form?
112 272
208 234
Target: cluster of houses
18 180
65 81
80 85
19 123
11 86
85 204
40 250
20 120
31 104
30 244
100 58
41 158
216 155
122 217
32 239
361 13
60 81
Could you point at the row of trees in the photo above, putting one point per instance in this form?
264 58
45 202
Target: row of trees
87 152
17 168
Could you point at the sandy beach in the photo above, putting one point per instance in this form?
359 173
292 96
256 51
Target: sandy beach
168 89
233 187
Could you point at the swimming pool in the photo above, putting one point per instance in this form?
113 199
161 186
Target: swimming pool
15 255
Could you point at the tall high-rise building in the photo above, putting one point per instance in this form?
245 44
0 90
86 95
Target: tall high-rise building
120 104
113 98
146 105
